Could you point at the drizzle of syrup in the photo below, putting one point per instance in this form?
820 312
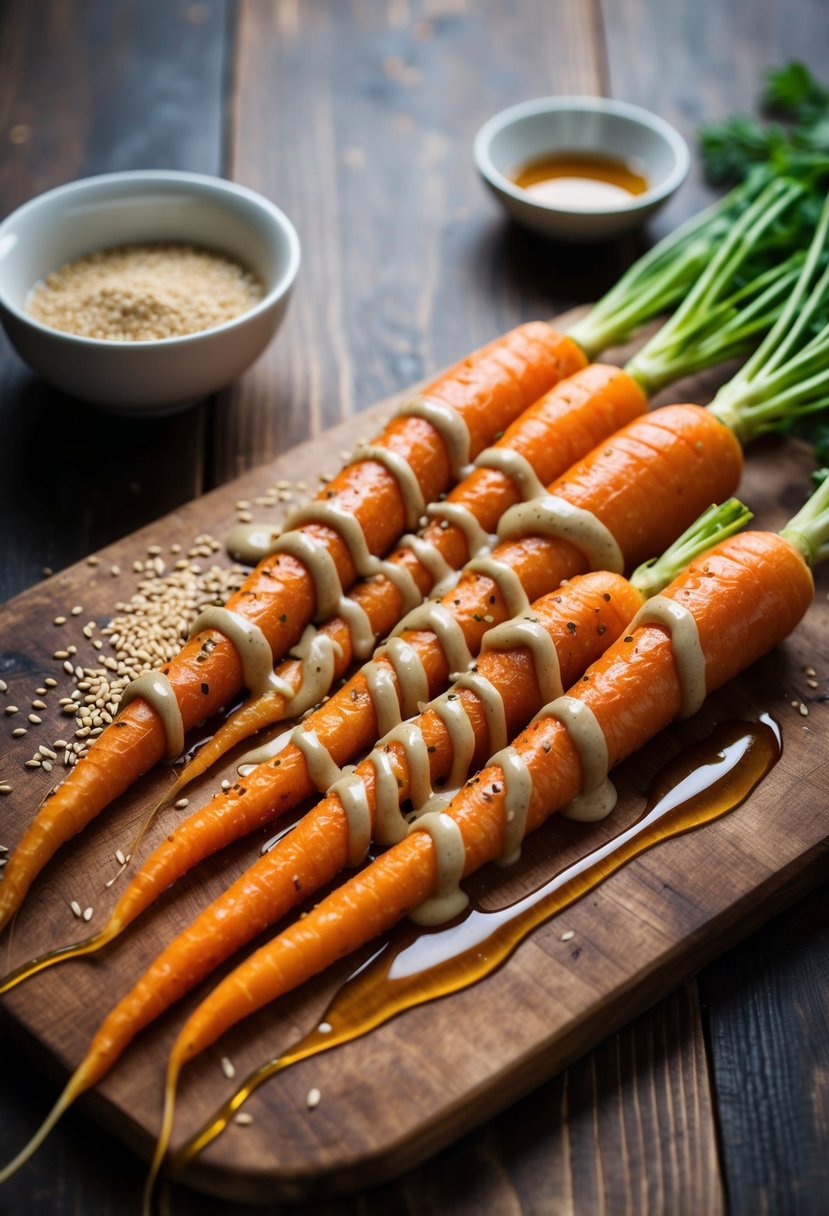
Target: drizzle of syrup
414 966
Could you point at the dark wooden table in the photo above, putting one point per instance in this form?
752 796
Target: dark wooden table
357 117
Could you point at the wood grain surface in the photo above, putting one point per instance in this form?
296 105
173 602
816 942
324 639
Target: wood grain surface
458 1061
93 86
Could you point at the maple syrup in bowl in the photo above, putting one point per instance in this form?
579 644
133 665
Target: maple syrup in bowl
580 168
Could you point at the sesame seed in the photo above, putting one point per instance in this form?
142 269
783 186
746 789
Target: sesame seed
5 788
228 1069
3 686
39 705
568 936
19 732
77 610
35 720
33 763
50 682
12 709
59 620
313 1099
244 1119
182 803
76 907
87 914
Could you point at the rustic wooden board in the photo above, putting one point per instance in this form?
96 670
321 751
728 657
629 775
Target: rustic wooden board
414 1085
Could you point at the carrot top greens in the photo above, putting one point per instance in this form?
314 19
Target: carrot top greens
799 136
787 377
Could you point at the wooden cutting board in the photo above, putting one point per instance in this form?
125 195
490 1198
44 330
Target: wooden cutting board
390 1099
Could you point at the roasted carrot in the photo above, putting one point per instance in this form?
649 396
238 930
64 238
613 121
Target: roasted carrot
552 434
645 484
763 394
745 597
721 317
487 391
581 619
279 598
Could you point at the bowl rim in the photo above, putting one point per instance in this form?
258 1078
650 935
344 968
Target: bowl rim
219 186
587 104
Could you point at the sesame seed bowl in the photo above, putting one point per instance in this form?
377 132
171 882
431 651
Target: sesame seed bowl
141 375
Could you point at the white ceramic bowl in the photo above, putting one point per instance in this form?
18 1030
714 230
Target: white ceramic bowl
583 125
151 377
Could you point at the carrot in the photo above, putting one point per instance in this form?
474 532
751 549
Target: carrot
745 596
640 515
557 430
645 484
580 619
721 317
487 390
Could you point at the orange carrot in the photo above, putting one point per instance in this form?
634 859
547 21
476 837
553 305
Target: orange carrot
488 390
581 618
745 597
560 428
646 484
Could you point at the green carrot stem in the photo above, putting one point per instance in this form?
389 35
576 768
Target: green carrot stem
673 351
715 524
808 531
660 277
788 375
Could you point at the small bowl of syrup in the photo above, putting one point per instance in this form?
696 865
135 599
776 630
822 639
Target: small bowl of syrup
580 168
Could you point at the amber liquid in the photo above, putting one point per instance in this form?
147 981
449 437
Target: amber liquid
582 181
702 784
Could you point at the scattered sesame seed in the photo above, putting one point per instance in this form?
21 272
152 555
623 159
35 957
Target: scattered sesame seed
12 709
39 705
182 803
77 610
228 1069
568 936
19 732
92 560
244 1119
59 620
33 763
5 788
76 908
804 712
313 1098
325 1028
115 571
35 720
87 914
3 686
120 857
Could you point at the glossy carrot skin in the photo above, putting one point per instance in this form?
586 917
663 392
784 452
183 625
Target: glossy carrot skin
746 596
489 389
647 484
559 429
582 618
